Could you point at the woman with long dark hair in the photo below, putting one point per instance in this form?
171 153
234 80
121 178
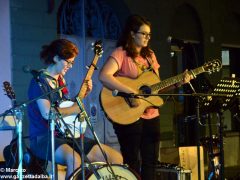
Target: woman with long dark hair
139 141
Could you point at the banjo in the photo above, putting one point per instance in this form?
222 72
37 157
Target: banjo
74 122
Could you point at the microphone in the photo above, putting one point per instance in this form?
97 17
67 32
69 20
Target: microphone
116 93
179 42
35 73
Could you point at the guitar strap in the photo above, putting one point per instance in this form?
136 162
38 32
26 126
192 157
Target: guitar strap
61 83
56 83
150 67
143 68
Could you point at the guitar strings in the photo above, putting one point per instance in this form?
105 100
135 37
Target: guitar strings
148 101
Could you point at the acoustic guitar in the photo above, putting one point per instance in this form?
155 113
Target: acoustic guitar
120 111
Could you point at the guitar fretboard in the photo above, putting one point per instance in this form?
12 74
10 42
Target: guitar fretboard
88 76
175 79
98 52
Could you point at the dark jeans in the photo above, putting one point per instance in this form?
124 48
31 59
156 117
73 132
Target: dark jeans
139 143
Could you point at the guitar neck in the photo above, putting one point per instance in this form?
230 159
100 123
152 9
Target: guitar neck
175 79
88 76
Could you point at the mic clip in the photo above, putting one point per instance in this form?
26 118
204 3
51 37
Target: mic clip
36 74
129 101
131 95
123 94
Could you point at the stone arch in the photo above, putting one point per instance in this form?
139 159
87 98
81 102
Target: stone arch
186 23
231 28
100 20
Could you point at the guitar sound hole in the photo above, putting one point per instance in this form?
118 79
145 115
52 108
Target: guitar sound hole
145 90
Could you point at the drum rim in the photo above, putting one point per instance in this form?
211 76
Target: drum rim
125 166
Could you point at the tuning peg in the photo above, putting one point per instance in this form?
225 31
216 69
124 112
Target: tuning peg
95 67
101 53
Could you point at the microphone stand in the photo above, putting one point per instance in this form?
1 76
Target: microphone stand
198 96
17 110
52 118
25 104
84 114
59 116
82 145
197 138
53 115
19 115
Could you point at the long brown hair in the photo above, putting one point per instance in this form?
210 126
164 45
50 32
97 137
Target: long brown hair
133 23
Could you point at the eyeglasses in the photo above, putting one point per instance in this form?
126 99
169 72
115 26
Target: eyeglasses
69 63
145 34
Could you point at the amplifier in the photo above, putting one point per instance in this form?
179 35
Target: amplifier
172 174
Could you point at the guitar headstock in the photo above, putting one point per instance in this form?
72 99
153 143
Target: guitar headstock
9 91
97 46
212 66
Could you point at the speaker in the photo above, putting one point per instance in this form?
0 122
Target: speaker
189 160
172 174
186 157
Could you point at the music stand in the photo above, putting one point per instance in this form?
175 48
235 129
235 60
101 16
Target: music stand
229 87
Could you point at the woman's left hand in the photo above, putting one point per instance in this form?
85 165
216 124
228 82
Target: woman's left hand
187 76
89 85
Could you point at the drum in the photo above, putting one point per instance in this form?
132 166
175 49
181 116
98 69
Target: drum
121 172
